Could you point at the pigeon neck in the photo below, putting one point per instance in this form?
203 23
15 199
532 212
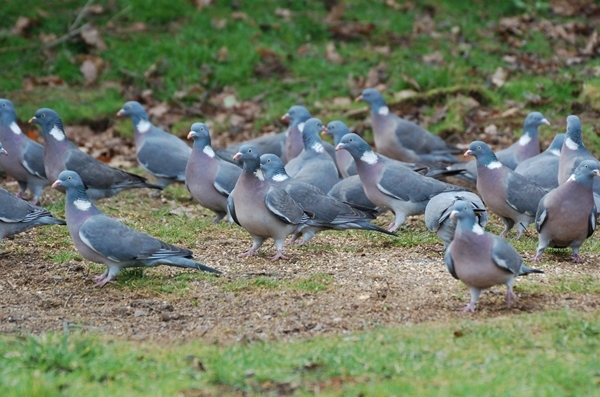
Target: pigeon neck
7 119
141 123
78 197
252 166
276 175
467 224
312 142
490 161
586 180
55 131
14 127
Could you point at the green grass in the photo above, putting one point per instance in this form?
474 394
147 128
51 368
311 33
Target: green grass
312 283
548 354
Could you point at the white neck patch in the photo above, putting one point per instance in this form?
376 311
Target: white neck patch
82 205
209 151
477 229
143 126
317 147
15 128
280 177
259 174
571 144
494 164
525 139
555 152
57 134
301 126
369 157
571 178
383 111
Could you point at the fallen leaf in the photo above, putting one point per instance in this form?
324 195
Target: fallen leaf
405 94
159 110
336 13
91 37
411 81
499 77
47 38
393 4
239 16
342 101
512 112
283 13
90 71
351 30
22 24
332 55
218 23
434 57
222 54
491 130
202 4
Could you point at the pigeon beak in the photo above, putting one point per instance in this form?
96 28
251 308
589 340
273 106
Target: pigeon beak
597 173
237 156
56 184
32 120
191 135
453 214
120 113
358 98
285 117
545 121
468 153
324 131
3 151
340 146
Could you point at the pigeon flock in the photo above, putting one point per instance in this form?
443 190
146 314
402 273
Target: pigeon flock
294 184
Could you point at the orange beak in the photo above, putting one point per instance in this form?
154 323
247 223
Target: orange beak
237 156
120 113
32 120
468 153
190 135
56 184
358 98
340 146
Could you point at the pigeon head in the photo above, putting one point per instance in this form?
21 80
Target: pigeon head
2 150
250 158
296 114
273 168
337 129
574 130
373 98
556 144
533 121
463 213
50 122
7 112
69 179
585 172
138 115
483 153
355 145
310 135
200 134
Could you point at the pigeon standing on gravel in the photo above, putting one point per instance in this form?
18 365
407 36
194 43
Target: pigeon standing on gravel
61 154
314 165
263 210
209 178
25 162
391 185
17 215
566 216
162 154
328 212
509 195
543 168
526 147
101 239
437 213
403 140
573 151
479 259
345 163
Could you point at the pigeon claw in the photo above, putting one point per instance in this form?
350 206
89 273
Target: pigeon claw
278 255
469 308
577 259
250 252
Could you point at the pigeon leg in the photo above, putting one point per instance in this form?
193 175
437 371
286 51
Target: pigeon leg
510 296
258 241
475 292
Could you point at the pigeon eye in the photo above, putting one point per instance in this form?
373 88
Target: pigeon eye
478 147
69 178
4 105
351 139
43 114
268 161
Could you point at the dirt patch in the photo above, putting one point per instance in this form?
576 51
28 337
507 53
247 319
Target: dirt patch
368 283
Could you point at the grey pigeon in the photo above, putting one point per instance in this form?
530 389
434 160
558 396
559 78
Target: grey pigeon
543 168
526 147
403 140
17 215
566 216
391 185
162 154
479 259
101 239
509 195
297 115
344 161
350 190
61 154
437 213
263 210
25 162
327 212
314 165
268 143
209 178
573 151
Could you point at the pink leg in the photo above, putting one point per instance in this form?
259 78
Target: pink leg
250 252
469 308
537 258
510 297
279 255
577 259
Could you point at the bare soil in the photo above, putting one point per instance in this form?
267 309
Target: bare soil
373 284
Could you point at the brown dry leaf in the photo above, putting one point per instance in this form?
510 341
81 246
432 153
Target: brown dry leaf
202 4
336 13
332 55
42 13
405 94
568 8
305 49
239 16
411 81
95 9
22 24
424 24
158 110
433 58
491 130
499 77
51 81
351 30
512 112
47 38
591 45
91 37
90 68
270 63
341 101
222 54
218 23
195 90
393 4
137 27
382 49
284 13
